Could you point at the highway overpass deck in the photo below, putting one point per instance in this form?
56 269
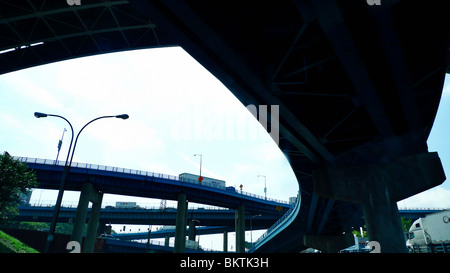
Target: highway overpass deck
115 180
357 85
207 217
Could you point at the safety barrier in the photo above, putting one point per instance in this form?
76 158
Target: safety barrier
275 228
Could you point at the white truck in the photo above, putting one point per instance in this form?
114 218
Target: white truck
430 233
126 205
206 181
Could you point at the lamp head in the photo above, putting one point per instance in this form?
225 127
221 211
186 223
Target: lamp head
40 115
123 116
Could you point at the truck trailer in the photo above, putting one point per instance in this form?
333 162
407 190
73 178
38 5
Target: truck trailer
206 181
430 234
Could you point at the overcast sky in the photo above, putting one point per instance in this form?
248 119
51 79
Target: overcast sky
176 108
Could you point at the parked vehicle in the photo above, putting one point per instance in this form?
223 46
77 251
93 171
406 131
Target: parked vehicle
430 233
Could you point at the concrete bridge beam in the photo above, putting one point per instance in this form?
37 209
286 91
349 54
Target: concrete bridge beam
378 187
192 230
225 241
180 229
88 194
240 229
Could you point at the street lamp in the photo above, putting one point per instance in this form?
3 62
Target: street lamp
251 228
265 185
67 165
200 166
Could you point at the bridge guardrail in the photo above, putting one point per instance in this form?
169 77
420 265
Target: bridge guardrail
137 172
278 223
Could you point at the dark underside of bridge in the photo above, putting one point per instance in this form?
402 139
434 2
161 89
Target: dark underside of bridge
355 83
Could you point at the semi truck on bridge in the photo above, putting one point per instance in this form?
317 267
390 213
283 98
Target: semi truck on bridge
206 181
430 233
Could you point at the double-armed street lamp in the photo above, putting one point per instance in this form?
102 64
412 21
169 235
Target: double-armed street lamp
67 165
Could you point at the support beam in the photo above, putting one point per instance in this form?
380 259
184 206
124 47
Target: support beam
80 218
240 229
167 241
225 241
192 230
332 23
88 193
378 187
93 225
180 229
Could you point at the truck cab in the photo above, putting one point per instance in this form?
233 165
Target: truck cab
416 236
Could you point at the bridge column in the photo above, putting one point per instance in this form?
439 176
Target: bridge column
167 240
225 241
92 228
180 229
378 187
88 193
240 229
192 230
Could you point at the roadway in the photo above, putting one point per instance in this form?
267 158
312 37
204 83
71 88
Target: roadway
207 217
114 180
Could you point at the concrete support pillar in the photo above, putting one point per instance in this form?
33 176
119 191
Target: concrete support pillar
167 241
192 230
378 187
80 218
88 193
92 229
240 229
225 241
180 229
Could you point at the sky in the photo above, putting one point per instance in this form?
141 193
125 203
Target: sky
176 108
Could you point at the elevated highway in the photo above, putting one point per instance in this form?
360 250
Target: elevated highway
207 217
115 180
357 85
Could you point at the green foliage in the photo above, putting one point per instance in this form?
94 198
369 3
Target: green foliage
357 233
406 224
15 178
62 228
9 244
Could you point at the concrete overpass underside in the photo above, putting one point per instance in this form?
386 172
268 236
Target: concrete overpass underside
357 85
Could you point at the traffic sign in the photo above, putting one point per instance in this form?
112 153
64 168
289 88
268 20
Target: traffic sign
279 208
200 178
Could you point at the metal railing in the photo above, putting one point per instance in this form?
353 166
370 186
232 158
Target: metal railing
421 209
139 172
295 207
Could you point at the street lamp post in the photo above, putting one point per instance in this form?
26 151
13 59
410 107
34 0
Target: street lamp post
251 228
265 186
59 146
201 156
67 165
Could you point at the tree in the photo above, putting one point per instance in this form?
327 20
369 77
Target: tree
357 233
15 178
406 224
